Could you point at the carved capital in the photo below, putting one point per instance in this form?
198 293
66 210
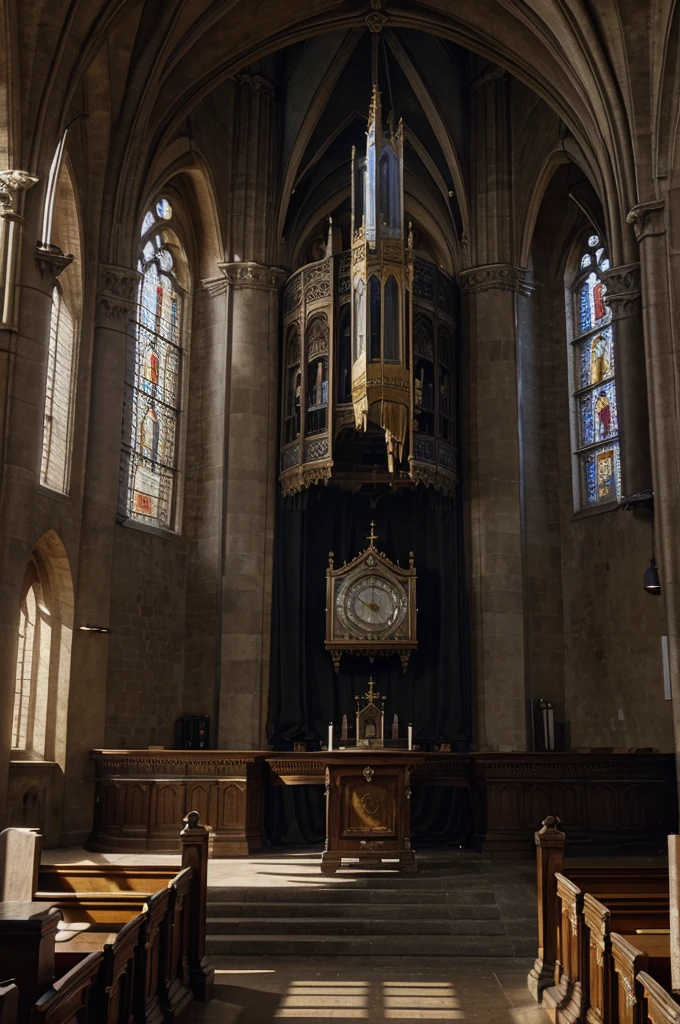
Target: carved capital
648 219
12 184
244 274
494 277
51 260
257 82
117 295
624 296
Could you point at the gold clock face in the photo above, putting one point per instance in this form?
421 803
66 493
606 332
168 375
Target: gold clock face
373 606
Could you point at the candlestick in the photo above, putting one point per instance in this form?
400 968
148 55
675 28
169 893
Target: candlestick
330 735
343 730
410 737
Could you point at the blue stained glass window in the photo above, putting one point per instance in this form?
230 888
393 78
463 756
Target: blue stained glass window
153 387
597 445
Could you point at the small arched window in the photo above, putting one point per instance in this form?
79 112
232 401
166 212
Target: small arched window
43 655
595 425
155 381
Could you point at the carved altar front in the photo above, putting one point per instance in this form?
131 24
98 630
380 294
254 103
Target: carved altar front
368 810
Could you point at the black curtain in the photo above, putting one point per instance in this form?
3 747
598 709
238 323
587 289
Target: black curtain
305 692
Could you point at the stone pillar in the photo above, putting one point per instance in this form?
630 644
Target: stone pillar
625 301
87 697
649 222
491 289
250 473
495 508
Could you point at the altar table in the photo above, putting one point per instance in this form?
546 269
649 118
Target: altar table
605 801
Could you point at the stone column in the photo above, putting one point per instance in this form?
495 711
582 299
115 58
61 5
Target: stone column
495 507
250 473
87 697
491 289
625 301
649 222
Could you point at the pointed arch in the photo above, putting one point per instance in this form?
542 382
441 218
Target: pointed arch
44 654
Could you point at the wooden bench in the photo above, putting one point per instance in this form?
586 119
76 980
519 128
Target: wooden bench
631 955
661 1007
641 891
68 999
140 931
9 1002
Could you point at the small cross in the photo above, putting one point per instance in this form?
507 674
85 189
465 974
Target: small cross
372 535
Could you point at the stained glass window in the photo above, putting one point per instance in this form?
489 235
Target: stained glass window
596 441
155 383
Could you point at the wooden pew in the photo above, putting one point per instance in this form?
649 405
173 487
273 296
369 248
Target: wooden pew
661 1007
20 850
9 1002
118 995
96 901
584 987
609 914
614 880
632 954
68 1000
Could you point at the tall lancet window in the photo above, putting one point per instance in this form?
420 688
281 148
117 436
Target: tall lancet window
64 333
595 424
59 389
154 380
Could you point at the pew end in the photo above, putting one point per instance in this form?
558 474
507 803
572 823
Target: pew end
69 997
9 1002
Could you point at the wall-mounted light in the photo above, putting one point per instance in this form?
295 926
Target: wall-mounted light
94 629
652 583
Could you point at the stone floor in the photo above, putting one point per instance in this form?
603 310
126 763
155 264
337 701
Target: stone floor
258 990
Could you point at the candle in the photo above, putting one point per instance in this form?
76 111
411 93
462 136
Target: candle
410 737
330 735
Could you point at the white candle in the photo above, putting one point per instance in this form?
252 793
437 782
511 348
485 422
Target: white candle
410 737
330 735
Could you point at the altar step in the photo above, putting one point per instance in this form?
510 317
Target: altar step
438 917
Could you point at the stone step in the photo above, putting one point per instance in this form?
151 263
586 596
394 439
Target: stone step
286 944
346 926
345 894
364 910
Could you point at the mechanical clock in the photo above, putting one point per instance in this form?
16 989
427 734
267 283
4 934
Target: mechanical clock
371 606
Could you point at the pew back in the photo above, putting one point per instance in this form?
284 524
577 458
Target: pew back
68 999
9 1002
661 1007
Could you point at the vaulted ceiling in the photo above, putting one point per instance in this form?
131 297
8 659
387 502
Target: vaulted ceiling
325 84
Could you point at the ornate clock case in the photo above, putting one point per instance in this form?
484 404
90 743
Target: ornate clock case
371 606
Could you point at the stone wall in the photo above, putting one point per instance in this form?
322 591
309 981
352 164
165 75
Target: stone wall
144 693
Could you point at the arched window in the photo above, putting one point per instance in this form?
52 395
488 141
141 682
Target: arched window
392 325
43 655
595 430
58 415
154 384
62 355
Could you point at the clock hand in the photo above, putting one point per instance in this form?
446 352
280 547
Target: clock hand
372 605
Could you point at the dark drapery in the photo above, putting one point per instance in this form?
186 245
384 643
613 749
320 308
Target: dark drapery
306 694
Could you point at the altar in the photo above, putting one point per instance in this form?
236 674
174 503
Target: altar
368 794
606 801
